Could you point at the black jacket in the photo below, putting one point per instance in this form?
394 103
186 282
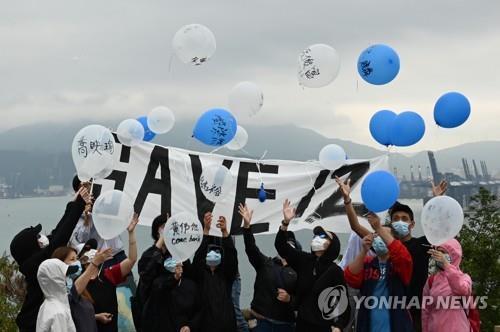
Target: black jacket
170 304
218 310
26 319
271 275
314 275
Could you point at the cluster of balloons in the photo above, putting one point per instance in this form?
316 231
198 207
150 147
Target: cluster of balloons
132 132
404 129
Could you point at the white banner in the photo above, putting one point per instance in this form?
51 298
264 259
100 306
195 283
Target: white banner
162 180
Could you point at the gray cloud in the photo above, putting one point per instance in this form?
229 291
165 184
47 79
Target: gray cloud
64 60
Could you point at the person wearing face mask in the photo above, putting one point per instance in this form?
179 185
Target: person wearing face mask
103 282
446 279
316 271
54 314
402 224
82 309
385 275
157 252
30 248
215 268
273 301
174 303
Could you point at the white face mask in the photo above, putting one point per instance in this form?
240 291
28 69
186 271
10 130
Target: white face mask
318 244
43 241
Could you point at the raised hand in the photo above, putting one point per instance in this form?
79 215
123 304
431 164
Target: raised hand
85 195
374 221
367 242
345 188
207 223
133 223
104 318
438 257
246 214
440 189
222 224
178 271
185 329
288 212
103 256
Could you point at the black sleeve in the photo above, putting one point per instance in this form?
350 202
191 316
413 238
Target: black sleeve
60 236
334 277
292 255
255 257
229 259
149 274
199 260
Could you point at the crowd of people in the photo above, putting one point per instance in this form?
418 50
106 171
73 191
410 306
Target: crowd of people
72 275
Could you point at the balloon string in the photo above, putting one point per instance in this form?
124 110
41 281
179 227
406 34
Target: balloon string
310 178
258 166
170 66
215 150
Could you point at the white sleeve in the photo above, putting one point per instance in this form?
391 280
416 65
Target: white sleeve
354 246
81 233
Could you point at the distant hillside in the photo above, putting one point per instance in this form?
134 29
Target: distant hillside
42 152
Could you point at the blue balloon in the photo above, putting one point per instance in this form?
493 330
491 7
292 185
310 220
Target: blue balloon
262 193
407 129
215 127
381 126
451 110
148 134
379 191
378 64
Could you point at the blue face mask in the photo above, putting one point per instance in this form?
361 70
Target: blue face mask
379 246
170 264
401 229
69 284
213 258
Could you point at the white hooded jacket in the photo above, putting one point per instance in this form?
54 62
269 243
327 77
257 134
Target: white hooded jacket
55 313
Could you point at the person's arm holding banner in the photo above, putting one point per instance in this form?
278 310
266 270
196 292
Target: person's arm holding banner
254 255
285 250
345 189
229 261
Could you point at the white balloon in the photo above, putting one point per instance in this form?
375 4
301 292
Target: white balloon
92 150
194 43
319 65
161 120
112 213
239 141
442 219
183 234
130 132
246 99
215 182
332 156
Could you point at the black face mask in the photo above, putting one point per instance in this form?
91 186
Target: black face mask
72 269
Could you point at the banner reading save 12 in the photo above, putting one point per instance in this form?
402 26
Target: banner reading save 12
162 180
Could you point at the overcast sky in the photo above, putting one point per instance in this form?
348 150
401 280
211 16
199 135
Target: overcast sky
64 60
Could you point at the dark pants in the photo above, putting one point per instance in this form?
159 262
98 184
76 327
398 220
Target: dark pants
264 325
308 327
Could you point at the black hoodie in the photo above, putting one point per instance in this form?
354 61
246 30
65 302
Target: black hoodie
218 310
314 275
25 250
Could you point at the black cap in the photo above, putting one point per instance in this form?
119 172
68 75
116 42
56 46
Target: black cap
90 244
318 230
25 243
398 207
